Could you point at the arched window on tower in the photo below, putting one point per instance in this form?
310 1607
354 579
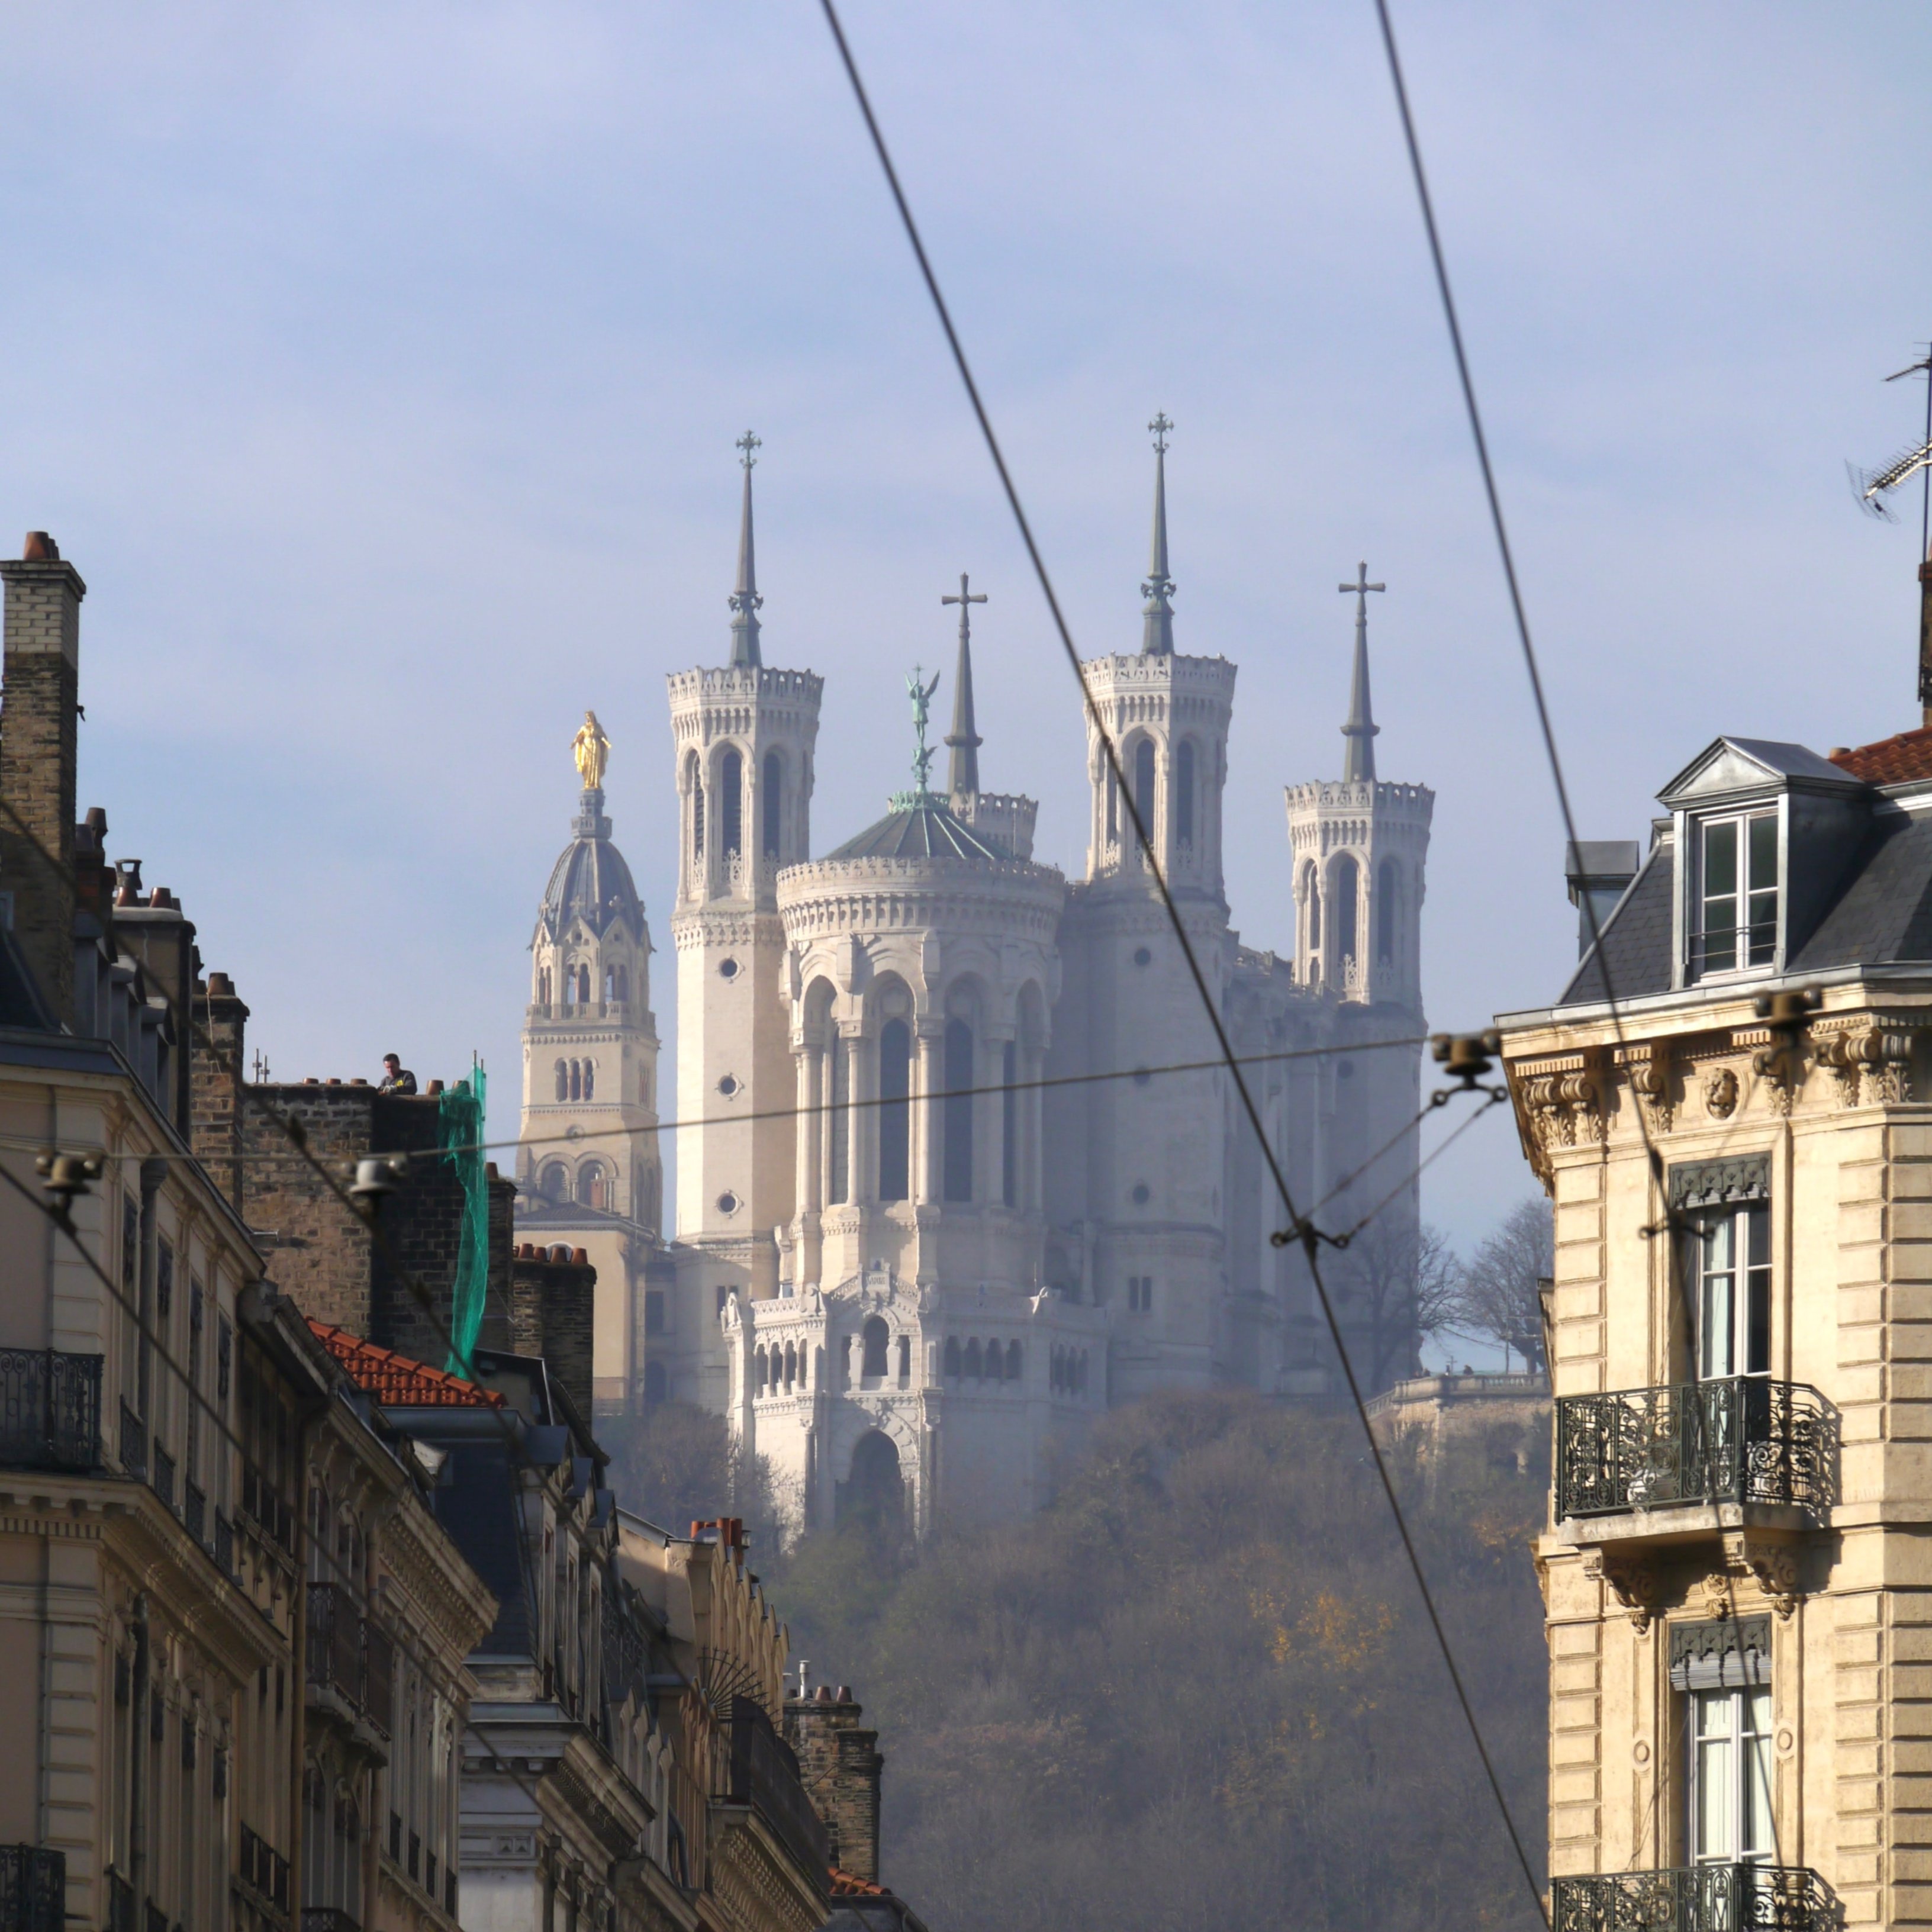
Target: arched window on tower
614 979
1010 1124
959 1129
583 986
773 803
1113 807
1348 877
731 804
555 1185
1183 792
590 1079
576 1080
894 1110
1143 783
694 779
838 1121
1311 885
1385 891
875 1336
1012 1361
975 1363
562 1082
543 987
952 1357
758 1370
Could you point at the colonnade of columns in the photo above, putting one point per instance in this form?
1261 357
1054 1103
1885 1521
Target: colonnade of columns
842 1115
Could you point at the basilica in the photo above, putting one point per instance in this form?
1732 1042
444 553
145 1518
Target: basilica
958 1163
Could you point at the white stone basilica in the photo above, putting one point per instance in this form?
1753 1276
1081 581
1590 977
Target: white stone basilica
963 1179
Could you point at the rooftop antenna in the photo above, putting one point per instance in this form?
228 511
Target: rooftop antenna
1869 486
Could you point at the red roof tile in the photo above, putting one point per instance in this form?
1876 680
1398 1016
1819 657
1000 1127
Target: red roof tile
1892 761
395 1380
844 1885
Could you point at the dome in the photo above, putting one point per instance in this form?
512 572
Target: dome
921 825
590 880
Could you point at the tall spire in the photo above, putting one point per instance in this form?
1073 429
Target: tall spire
1359 766
1157 634
962 769
745 600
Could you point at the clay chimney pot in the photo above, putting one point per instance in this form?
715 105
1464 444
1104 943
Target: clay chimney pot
39 548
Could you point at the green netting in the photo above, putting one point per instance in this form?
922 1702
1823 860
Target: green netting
459 1129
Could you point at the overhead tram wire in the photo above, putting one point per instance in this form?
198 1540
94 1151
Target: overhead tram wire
226 1430
1304 1230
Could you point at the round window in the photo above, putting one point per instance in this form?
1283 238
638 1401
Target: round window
728 969
1141 1194
1142 1077
1142 957
728 1085
727 1202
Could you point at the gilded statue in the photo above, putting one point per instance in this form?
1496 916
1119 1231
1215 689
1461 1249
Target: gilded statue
591 750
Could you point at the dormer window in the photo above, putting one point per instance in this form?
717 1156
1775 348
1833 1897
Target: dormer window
1737 894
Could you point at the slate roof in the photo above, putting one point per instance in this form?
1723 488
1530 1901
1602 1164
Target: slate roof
477 1504
21 1004
1896 761
921 825
395 1380
1636 939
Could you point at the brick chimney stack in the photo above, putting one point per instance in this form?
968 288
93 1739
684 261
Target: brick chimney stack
839 1765
215 1079
553 1314
39 689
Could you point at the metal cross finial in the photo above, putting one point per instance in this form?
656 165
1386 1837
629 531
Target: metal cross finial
1361 586
748 442
963 600
1160 426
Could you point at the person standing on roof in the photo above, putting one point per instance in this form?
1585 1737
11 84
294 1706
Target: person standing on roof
396 1079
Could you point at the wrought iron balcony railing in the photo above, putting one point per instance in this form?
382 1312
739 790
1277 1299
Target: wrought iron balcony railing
133 1441
1742 1439
194 1511
334 1641
33 1886
327 1918
50 1410
224 1544
1704 1898
120 1914
164 1476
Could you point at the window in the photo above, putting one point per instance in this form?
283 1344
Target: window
895 1110
1012 1361
1140 1293
1346 878
1724 1207
590 1079
839 1125
696 809
1311 888
1737 894
562 1082
952 1357
731 803
1144 783
654 1311
1730 1776
905 1360
1113 808
1009 1125
555 1185
958 1133
874 1336
975 1363
774 796
1183 792
1385 911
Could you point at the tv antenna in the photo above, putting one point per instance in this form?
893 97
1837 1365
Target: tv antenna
1871 486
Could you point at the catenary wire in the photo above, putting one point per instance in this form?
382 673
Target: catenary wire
1305 1230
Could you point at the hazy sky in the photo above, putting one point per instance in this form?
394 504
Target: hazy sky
379 369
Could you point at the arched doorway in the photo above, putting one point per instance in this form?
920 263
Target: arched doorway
874 1497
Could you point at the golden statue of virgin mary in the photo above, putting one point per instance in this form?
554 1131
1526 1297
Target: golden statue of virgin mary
591 750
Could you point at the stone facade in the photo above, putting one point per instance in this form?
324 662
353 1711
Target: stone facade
1739 1160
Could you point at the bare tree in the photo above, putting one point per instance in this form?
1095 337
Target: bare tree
1501 1293
1395 1284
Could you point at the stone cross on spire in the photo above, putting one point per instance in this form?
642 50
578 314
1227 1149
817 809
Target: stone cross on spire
963 741
744 600
1157 633
1359 766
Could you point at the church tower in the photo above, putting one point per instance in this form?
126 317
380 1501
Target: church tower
1143 1176
588 1172
745 735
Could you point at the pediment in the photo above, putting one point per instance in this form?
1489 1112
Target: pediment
1729 767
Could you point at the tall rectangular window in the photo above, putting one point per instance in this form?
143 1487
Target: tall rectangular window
838 1125
958 1110
1730 1776
1009 1126
1731 1252
1737 894
894 1110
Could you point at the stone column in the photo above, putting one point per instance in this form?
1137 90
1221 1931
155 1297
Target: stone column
929 1183
991 1107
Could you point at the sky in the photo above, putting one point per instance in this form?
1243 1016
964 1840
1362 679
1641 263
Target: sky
379 369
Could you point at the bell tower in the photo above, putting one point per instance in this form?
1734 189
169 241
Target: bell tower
745 735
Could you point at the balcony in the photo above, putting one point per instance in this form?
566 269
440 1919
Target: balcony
762 1774
133 1442
164 1476
33 1883
1705 1898
194 1512
50 1410
327 1918
1742 1446
120 1902
351 1667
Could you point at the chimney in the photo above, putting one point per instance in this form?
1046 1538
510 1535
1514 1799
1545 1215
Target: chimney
1598 870
215 1079
552 1304
39 684
839 1766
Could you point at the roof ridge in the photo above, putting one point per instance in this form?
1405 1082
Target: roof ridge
399 1380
